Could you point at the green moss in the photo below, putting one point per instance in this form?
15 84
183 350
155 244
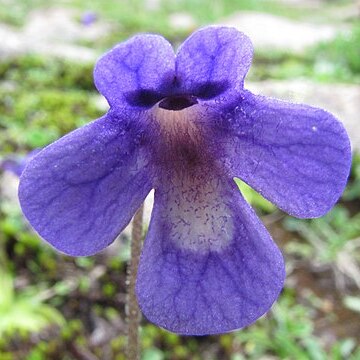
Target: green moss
36 72
109 289
181 352
343 52
34 119
118 344
333 61
42 100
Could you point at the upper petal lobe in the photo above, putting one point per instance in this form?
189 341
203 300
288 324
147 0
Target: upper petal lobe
81 191
296 156
137 72
212 61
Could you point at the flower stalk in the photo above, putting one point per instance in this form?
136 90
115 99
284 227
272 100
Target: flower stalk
132 307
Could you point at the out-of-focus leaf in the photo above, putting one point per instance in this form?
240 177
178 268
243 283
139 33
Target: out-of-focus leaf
153 354
6 292
23 312
254 198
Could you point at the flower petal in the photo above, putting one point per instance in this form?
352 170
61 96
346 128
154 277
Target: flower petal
296 156
136 72
208 264
213 60
81 191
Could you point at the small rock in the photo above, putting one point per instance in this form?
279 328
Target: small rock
100 102
182 21
53 31
11 42
59 24
275 32
9 187
152 5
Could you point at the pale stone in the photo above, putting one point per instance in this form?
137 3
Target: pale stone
182 21
275 32
53 31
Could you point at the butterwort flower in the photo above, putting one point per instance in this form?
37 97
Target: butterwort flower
183 124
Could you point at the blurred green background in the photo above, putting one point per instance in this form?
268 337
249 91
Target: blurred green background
57 307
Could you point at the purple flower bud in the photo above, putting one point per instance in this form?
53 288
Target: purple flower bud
88 18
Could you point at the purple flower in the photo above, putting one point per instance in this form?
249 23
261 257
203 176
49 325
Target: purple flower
184 125
88 18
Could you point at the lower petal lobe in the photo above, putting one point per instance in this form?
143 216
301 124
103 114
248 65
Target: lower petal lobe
208 264
296 156
81 191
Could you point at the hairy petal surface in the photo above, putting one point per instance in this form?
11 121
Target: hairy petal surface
296 156
208 264
136 72
212 61
81 191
